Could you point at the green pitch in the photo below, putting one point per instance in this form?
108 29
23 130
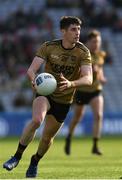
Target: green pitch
81 164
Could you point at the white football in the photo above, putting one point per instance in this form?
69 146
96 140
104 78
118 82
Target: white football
45 84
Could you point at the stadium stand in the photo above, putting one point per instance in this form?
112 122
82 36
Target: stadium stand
113 73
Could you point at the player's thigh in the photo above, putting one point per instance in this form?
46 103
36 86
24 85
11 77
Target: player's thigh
40 107
78 110
51 127
97 105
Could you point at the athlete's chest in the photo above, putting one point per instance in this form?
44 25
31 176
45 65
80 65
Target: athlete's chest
65 61
62 56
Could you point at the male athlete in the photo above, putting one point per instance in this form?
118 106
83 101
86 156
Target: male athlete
65 59
91 95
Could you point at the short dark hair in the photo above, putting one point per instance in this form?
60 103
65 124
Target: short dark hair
66 21
93 34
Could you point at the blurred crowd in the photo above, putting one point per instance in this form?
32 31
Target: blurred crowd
22 32
20 35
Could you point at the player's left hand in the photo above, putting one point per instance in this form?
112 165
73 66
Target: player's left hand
65 83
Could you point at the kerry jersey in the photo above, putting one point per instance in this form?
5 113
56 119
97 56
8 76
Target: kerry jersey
66 61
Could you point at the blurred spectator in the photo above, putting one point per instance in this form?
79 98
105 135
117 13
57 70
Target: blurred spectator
118 26
63 4
116 3
1 106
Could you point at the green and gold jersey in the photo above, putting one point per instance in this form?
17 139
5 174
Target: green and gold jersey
97 59
66 61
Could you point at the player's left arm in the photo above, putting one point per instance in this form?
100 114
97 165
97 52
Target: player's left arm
86 74
101 76
86 78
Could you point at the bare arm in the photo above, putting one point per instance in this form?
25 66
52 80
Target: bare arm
34 67
85 79
101 76
86 76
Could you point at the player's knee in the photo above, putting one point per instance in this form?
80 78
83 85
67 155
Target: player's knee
99 116
36 122
76 120
47 140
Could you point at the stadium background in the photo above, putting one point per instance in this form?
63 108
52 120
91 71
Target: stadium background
24 25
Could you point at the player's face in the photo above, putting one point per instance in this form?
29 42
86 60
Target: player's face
94 44
72 33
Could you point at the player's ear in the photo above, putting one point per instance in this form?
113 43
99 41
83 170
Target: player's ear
63 31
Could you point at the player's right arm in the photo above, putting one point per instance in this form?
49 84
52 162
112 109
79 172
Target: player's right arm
38 60
34 67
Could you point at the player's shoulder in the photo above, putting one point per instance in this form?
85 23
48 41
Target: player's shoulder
82 47
102 53
54 42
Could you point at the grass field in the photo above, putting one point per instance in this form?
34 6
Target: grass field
81 164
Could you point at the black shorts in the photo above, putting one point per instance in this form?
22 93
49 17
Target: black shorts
83 98
58 110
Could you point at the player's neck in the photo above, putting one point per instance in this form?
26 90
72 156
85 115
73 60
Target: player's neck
94 51
67 45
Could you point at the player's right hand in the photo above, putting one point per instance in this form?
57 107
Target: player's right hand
33 85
